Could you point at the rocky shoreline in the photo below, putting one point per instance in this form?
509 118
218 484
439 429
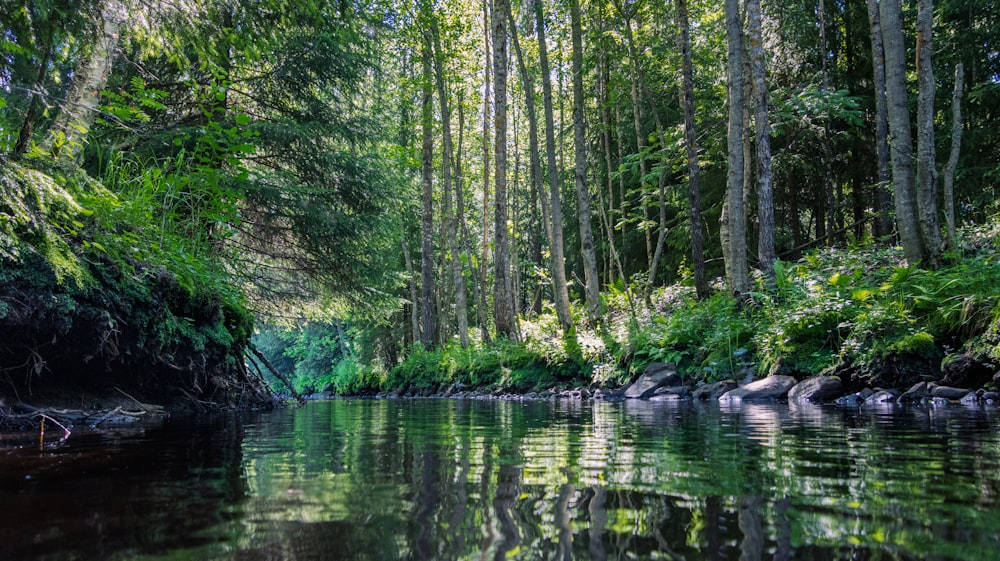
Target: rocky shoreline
661 382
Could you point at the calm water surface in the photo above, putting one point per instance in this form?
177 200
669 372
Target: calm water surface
435 479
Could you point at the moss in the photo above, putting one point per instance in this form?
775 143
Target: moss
920 344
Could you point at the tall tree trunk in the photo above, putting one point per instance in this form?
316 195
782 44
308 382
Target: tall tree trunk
831 200
484 262
901 140
451 222
559 285
582 192
956 146
762 130
428 334
734 226
68 133
534 158
691 143
504 315
926 161
884 222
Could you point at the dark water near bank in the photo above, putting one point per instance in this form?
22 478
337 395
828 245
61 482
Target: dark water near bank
508 480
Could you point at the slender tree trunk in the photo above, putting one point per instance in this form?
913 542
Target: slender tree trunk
534 158
956 146
734 227
559 285
582 192
765 195
427 306
504 315
691 143
483 264
901 141
68 133
451 222
884 223
930 232
828 183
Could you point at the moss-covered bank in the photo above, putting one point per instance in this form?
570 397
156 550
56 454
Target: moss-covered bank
86 316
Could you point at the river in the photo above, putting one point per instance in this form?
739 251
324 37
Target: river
441 479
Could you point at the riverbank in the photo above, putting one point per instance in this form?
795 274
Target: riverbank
99 323
861 315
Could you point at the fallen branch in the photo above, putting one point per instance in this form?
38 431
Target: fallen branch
263 360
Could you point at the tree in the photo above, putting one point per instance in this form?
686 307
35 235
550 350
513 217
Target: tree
956 145
504 314
762 136
556 247
926 167
733 231
883 225
451 222
900 140
90 75
580 150
428 333
691 144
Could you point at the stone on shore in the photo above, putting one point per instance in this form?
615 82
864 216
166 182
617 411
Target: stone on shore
949 393
656 375
712 392
816 389
917 392
771 388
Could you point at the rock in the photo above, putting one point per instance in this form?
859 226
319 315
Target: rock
967 370
655 375
850 399
816 389
971 398
712 392
990 398
917 392
881 396
672 397
948 392
768 389
679 391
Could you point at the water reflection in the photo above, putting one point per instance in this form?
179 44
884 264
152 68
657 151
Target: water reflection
510 480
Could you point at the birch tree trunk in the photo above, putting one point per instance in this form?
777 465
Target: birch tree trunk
762 129
884 224
734 227
591 278
504 315
68 134
559 285
901 140
930 232
956 146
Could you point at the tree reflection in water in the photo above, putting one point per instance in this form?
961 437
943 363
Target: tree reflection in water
508 480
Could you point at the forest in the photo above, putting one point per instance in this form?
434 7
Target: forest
218 198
